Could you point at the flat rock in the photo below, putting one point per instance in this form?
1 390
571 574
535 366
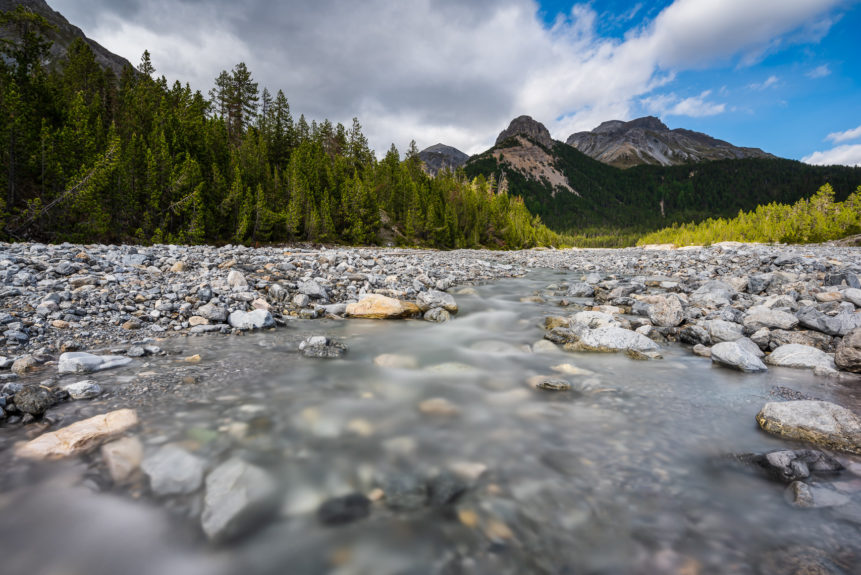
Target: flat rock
173 471
612 339
86 389
79 437
376 306
731 354
760 317
800 494
818 422
81 362
800 356
239 497
250 320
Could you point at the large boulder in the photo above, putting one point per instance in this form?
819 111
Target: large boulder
848 355
853 295
248 320
238 497
432 299
213 312
667 312
759 317
812 318
713 294
720 330
173 471
79 437
800 356
817 422
81 362
376 306
731 354
612 339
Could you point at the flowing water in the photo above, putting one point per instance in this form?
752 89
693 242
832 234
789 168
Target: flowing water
626 473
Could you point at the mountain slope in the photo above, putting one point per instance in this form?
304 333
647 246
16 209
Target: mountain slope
649 141
61 35
584 193
441 157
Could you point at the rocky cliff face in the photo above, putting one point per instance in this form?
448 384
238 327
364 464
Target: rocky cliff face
441 157
526 126
62 35
649 141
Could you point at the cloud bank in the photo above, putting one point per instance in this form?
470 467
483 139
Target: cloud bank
449 71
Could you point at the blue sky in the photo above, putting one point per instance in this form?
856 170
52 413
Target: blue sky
781 75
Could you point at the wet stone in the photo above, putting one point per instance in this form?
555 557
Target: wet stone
173 471
405 492
34 400
321 347
343 510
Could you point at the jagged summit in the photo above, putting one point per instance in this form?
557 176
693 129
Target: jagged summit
649 141
62 35
440 157
526 126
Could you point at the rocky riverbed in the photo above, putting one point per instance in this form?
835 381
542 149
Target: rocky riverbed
248 392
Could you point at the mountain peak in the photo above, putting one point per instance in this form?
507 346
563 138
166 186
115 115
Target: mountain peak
441 157
649 141
526 126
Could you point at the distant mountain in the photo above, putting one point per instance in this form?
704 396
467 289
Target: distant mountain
649 141
440 157
576 193
62 35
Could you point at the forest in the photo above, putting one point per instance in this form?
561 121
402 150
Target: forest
91 157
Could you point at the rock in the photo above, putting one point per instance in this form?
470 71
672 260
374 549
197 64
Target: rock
34 399
178 267
24 364
312 289
437 315
713 294
701 350
239 497
800 494
787 465
173 471
122 457
526 126
445 488
375 306
593 319
433 299
249 320
135 351
667 312
343 510
405 492
438 406
86 389
196 320
758 283
236 280
81 362
817 422
842 278
544 346
853 295
848 355
828 296
761 337
612 339
132 324
322 347
722 331
812 318
800 356
393 360
695 335
749 346
731 354
549 383
301 300
810 338
760 317
580 290
79 437
213 312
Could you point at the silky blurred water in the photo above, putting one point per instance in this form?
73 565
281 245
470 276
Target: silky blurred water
626 474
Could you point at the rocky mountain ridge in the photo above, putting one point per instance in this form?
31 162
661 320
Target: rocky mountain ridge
441 157
649 141
62 35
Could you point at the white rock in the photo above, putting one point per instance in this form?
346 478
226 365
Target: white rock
800 356
80 362
731 354
173 471
86 389
257 319
238 496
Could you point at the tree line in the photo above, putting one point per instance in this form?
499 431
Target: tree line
93 157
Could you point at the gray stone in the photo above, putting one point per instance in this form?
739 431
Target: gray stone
86 389
750 346
841 278
760 317
431 299
239 497
804 337
301 300
213 312
34 399
319 346
849 319
713 294
758 283
581 290
848 355
612 339
173 471
257 319
312 289
236 280
437 315
721 331
800 356
801 494
812 318
788 465
731 354
818 422
668 312
345 509
405 492
81 362
853 295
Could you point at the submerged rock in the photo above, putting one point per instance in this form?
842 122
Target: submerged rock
612 339
173 471
239 496
34 399
800 494
322 347
79 437
375 306
817 422
122 457
86 389
81 362
433 299
788 465
345 509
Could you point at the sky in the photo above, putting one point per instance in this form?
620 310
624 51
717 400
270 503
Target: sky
781 75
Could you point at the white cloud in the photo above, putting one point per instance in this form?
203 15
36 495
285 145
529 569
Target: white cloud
447 70
770 82
838 137
694 106
819 72
841 155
